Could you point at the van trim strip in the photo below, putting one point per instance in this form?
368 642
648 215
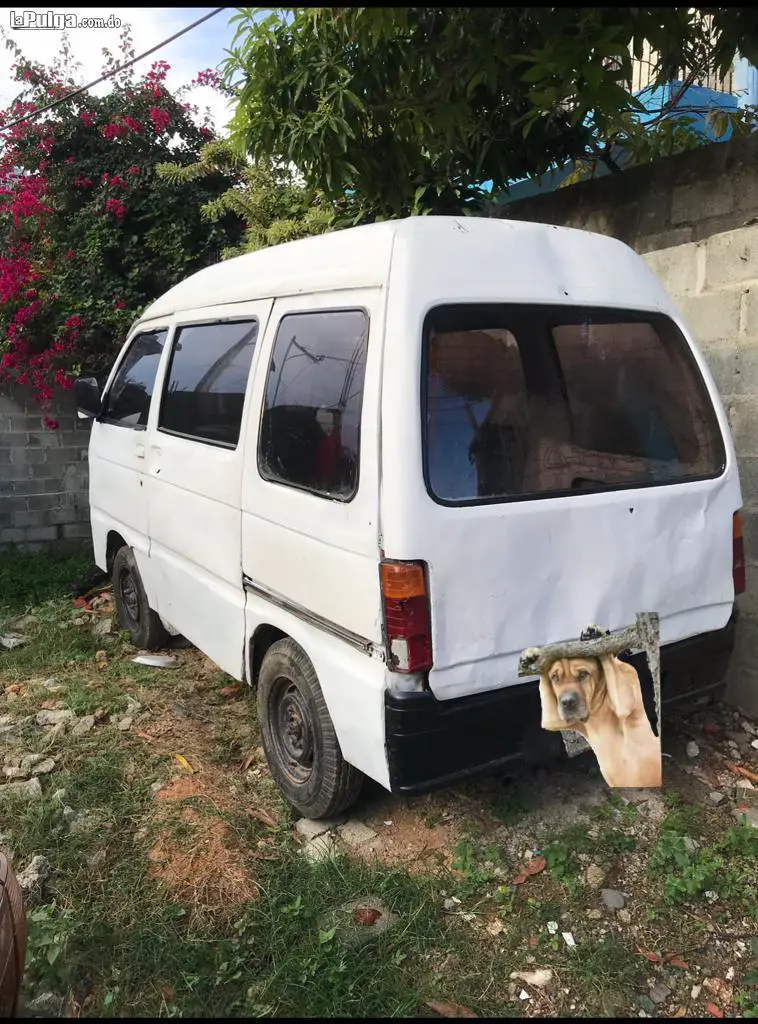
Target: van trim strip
354 639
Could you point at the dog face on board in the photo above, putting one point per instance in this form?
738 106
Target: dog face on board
578 686
572 689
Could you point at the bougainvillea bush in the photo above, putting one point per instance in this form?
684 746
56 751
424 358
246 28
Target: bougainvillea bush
89 234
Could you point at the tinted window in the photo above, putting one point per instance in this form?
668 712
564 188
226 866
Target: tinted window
535 400
207 380
128 399
310 434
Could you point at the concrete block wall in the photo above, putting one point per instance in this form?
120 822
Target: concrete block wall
715 284
43 475
694 218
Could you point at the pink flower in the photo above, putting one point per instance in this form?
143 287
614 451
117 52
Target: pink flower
130 122
208 77
74 322
113 131
132 170
70 160
50 424
69 254
116 207
119 304
159 118
86 118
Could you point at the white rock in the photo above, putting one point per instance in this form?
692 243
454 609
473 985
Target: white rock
355 833
83 725
320 848
54 717
310 828
692 749
539 978
28 790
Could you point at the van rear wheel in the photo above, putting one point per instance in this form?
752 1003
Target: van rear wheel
301 746
134 613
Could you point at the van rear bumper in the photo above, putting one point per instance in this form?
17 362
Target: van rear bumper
433 743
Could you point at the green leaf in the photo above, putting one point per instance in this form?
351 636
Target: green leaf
326 936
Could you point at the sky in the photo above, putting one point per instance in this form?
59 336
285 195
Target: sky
201 48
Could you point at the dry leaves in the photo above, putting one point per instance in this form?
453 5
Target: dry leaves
450 1009
652 958
366 916
739 770
533 868
229 691
263 816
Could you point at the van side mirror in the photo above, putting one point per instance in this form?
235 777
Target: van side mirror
88 398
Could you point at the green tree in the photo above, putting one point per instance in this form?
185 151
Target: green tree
268 199
392 111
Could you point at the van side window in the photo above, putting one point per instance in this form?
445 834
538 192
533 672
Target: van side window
310 432
207 380
128 399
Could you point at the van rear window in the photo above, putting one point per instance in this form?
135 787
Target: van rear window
528 401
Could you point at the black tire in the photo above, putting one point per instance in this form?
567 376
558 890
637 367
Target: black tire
134 613
301 745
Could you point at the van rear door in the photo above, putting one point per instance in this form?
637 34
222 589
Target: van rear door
578 474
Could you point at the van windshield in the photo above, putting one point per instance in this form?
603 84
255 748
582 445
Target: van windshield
528 401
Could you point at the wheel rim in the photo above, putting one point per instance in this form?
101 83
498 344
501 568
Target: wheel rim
129 597
292 731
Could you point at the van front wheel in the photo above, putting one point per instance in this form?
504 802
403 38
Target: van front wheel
301 746
134 613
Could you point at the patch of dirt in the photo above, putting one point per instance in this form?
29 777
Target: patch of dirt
411 838
205 870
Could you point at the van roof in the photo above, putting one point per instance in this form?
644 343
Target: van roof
530 262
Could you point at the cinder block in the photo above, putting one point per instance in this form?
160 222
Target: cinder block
13 535
742 676
664 239
15 502
750 535
29 519
748 469
45 438
746 190
77 530
676 267
750 312
42 533
40 503
62 515
712 317
692 203
731 257
743 420
723 362
25 456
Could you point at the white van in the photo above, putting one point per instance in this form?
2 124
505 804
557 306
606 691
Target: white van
363 471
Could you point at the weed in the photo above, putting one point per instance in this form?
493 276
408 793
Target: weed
614 842
561 855
49 932
510 805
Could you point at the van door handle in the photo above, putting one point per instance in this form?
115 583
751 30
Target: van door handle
139 451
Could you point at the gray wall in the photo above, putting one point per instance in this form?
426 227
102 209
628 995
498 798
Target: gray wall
695 219
43 474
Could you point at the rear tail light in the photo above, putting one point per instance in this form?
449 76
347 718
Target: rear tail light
738 555
406 616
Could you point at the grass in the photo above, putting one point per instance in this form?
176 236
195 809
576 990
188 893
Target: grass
134 921
30 579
